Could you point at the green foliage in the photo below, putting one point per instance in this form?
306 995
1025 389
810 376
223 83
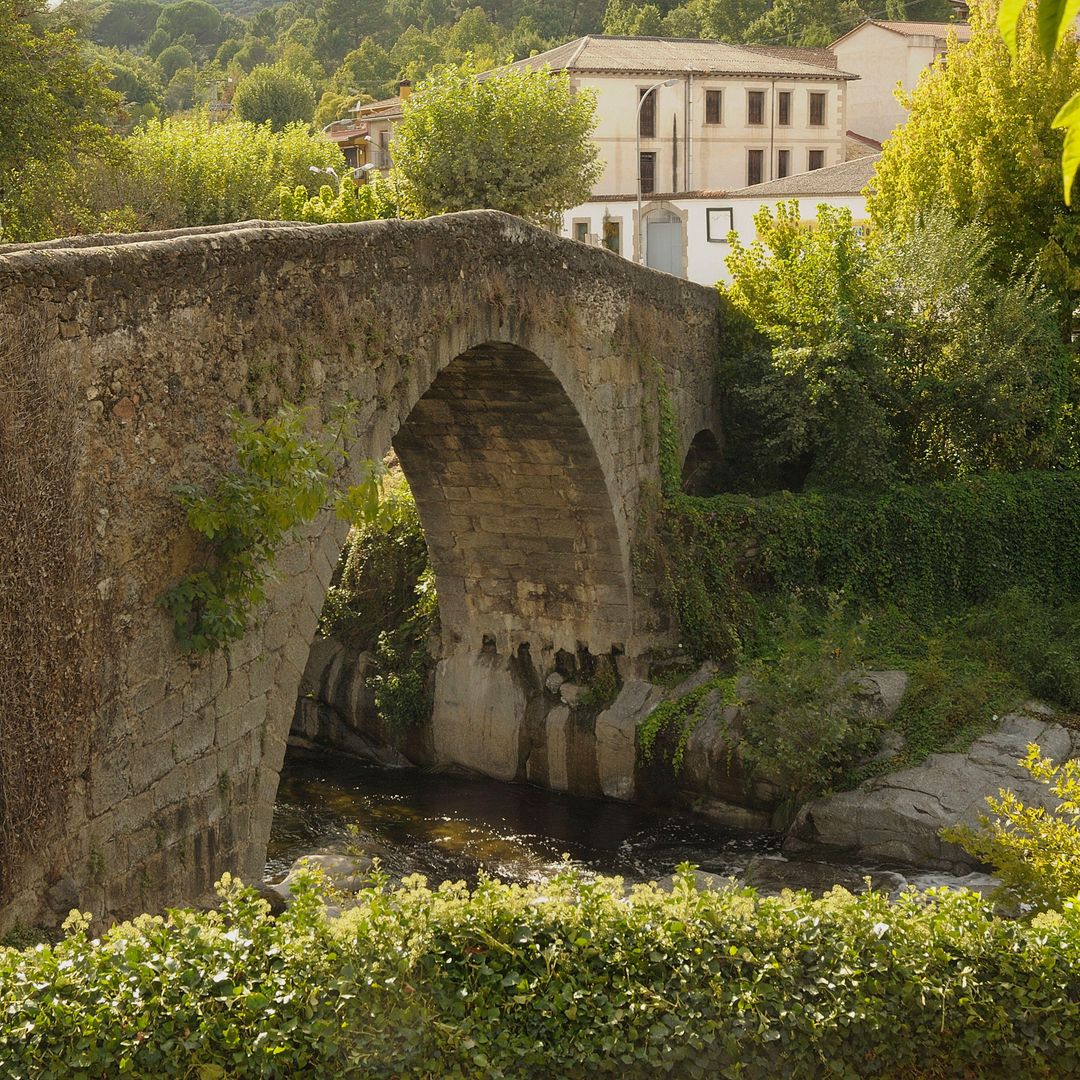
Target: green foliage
190 171
672 723
905 357
126 23
923 549
55 109
517 140
979 142
401 680
806 727
276 95
352 202
1034 850
570 979
384 600
283 478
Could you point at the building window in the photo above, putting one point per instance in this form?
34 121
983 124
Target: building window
755 166
817 110
816 159
648 172
581 231
714 112
783 163
613 234
647 116
783 108
352 156
755 106
384 150
719 221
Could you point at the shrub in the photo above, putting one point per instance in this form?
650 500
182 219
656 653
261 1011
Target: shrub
1035 851
274 94
923 548
570 979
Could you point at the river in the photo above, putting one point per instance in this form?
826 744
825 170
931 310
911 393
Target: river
449 827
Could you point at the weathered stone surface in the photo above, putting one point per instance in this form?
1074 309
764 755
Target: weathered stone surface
897 817
616 736
346 873
509 368
772 874
478 714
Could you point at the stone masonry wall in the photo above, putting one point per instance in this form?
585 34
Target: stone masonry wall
516 372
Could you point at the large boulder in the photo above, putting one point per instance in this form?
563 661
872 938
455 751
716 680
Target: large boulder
716 783
897 817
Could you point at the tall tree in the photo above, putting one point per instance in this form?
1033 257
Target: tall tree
979 144
55 111
276 94
516 140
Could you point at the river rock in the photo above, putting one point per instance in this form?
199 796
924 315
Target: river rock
897 818
616 736
714 781
771 874
703 882
346 873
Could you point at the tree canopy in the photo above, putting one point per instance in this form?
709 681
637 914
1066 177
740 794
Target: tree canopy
979 144
55 109
276 95
517 140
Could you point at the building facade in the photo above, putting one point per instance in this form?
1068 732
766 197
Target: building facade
704 115
887 56
688 234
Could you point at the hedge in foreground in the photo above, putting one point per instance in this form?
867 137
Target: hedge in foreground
569 979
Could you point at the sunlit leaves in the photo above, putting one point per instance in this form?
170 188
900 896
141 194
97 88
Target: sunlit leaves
282 479
513 140
1068 117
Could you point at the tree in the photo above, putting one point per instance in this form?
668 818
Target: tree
272 93
517 140
201 20
127 24
902 357
805 22
172 59
979 143
632 20
185 171
368 69
55 112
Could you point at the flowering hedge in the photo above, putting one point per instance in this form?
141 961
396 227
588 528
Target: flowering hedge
569 979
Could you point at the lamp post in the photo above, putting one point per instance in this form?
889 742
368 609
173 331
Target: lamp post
639 235
331 171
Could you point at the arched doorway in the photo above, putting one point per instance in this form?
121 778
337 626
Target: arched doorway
665 242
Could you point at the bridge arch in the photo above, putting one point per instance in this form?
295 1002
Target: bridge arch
557 351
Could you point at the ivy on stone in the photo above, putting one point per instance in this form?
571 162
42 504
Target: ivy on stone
282 479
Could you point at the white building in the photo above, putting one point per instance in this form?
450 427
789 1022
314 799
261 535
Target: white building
688 234
886 55
731 116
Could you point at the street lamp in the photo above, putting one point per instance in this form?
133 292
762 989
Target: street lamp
638 232
331 171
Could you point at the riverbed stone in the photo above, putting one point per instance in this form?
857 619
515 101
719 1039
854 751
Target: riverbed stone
346 873
898 817
616 736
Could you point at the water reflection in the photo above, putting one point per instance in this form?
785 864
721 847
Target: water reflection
450 828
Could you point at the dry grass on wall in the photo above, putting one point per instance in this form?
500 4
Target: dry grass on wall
47 593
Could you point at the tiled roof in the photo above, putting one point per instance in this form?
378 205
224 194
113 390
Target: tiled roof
388 107
819 57
848 178
937 30
674 56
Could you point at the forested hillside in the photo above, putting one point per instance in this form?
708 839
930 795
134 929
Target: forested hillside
166 58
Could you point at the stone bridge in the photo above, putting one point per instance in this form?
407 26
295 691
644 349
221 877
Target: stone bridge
515 374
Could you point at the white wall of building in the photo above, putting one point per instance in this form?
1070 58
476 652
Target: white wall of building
882 59
705 248
716 158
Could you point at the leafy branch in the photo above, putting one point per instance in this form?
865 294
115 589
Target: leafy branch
282 479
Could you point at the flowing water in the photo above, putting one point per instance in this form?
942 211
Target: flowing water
448 827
